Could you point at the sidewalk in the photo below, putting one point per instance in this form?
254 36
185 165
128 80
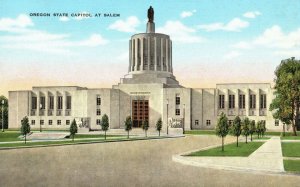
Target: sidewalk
267 158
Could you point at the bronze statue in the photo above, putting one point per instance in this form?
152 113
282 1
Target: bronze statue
150 14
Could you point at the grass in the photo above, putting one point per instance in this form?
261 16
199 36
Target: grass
290 149
292 165
200 132
290 137
9 136
95 136
70 142
230 150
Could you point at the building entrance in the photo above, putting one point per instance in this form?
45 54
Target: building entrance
140 112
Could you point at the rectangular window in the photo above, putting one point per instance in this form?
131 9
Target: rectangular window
98 112
177 112
196 122
98 100
252 101
33 103
41 122
207 122
177 99
231 101
59 102
42 102
50 122
241 101
98 122
67 122
69 102
263 101
221 101
276 122
32 122
58 122
51 102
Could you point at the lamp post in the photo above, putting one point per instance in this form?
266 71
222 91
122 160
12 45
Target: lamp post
40 117
167 116
183 118
3 115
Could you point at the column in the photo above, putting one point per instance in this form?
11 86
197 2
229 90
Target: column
226 102
38 103
132 55
46 103
236 102
167 54
149 54
171 58
257 102
247 101
136 54
130 63
55 103
64 107
161 54
142 54
155 58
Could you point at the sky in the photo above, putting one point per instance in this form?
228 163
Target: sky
233 41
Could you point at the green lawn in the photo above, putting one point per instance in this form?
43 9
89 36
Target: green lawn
69 141
230 150
292 165
290 149
200 132
95 136
290 137
8 136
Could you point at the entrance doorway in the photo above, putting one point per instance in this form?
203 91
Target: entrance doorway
140 112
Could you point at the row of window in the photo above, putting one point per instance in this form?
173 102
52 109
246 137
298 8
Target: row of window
231 121
242 101
50 122
42 103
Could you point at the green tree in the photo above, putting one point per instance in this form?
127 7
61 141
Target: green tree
222 128
263 128
73 129
159 126
252 128
105 124
145 126
5 112
287 93
25 127
128 125
235 129
245 128
258 128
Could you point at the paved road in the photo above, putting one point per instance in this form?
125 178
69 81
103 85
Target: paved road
138 163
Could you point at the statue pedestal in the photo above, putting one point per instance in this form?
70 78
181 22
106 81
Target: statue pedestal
150 27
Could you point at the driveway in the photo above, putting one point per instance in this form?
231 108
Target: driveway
137 163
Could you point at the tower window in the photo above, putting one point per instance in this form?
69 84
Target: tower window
177 100
33 103
221 101
177 112
59 102
98 112
263 101
252 101
241 101
98 100
231 101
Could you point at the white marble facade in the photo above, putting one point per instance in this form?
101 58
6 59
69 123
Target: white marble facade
148 92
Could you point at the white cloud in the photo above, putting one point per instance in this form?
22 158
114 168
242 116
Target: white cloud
128 25
64 18
232 55
180 32
20 37
186 14
242 45
253 14
21 22
274 37
235 24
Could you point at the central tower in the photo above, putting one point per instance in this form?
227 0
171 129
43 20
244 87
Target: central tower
150 52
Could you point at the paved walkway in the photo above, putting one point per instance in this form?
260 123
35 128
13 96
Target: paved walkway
267 158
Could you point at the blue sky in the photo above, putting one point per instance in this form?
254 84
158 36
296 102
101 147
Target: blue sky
213 41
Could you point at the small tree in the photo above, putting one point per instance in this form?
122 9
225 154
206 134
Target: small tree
252 128
105 124
128 125
258 128
25 127
245 128
145 126
235 129
159 126
263 128
222 128
73 129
